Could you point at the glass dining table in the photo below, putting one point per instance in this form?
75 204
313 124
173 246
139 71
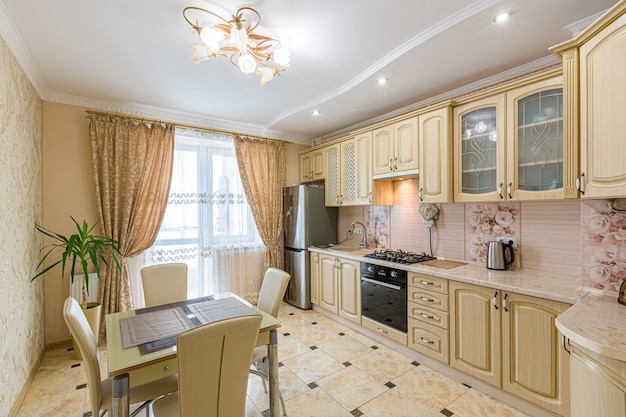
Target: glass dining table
139 352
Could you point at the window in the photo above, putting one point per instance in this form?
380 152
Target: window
208 223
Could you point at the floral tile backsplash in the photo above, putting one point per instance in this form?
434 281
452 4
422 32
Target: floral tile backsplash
604 245
377 224
485 222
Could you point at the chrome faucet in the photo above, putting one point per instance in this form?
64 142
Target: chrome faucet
351 230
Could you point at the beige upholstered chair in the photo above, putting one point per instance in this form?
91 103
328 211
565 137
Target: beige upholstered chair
100 391
164 283
213 362
270 299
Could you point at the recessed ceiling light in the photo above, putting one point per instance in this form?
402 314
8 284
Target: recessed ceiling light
315 112
382 81
502 17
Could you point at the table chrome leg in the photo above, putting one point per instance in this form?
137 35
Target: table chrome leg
121 396
272 354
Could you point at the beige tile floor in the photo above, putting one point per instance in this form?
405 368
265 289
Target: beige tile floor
327 370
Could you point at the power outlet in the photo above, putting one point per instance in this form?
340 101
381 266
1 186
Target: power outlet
507 239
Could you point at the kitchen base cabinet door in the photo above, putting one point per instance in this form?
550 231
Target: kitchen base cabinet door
534 362
429 340
598 384
328 297
350 290
475 331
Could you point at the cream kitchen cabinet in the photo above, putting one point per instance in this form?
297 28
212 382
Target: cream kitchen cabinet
598 384
435 155
314 276
395 149
510 340
349 174
533 161
428 316
312 167
595 81
340 286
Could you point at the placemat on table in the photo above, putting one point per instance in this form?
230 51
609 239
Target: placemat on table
208 311
153 326
443 263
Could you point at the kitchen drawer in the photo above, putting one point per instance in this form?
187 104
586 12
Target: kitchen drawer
428 298
428 315
429 283
428 340
386 331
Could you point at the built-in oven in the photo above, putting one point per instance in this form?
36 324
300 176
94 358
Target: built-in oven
384 295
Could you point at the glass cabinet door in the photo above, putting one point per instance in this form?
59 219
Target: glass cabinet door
540 141
479 150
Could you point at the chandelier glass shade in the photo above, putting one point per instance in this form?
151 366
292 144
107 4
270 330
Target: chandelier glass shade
237 40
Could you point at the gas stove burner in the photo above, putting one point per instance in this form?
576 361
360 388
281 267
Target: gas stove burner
400 256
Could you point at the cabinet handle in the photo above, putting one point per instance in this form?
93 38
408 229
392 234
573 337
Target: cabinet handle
383 331
580 183
508 189
395 163
370 197
430 300
500 191
424 340
166 368
569 351
504 306
426 316
421 194
495 300
391 164
426 282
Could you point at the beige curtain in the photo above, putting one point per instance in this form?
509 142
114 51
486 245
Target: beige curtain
263 170
132 166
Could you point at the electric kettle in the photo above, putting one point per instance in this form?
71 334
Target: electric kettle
499 255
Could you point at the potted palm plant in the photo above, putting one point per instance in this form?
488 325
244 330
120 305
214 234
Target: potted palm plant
86 249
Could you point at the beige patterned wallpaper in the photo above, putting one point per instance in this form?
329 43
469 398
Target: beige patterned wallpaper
21 302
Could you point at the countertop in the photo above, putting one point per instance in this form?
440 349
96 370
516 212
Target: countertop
595 321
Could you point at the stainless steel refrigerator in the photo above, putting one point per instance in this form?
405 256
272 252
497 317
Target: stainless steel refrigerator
307 222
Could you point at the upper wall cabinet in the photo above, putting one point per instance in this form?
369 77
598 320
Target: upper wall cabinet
435 156
594 73
312 166
349 174
532 161
479 150
395 149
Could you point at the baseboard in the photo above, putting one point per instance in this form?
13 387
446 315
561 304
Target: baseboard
29 381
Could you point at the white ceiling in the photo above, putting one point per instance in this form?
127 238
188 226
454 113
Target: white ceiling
133 57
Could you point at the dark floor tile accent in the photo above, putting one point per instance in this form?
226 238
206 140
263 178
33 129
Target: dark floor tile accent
415 363
87 414
374 347
356 412
312 385
446 412
342 334
81 386
292 314
390 385
346 364
286 334
76 365
266 413
467 385
314 323
313 347
280 364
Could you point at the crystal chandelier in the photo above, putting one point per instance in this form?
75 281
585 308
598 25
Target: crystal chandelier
236 39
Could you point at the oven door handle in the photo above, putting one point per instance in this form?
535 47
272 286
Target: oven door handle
384 284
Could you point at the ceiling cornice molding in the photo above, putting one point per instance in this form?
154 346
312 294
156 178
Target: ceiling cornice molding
577 27
539 65
420 38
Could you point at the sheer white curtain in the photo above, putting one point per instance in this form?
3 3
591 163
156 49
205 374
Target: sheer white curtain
207 223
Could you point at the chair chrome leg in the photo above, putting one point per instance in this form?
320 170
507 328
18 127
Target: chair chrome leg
280 394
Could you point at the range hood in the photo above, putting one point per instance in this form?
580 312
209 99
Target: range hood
397 175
